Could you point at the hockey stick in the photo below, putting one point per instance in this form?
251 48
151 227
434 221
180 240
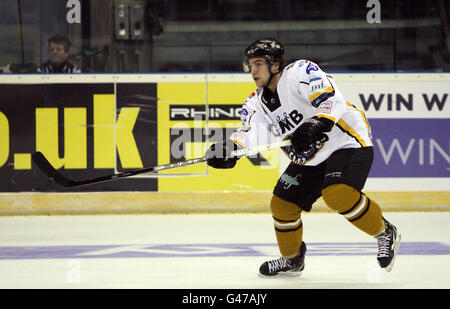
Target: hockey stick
45 166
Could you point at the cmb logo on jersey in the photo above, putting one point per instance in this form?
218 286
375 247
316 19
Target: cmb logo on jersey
287 122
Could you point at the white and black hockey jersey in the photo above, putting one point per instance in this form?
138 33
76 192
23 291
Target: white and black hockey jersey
303 91
65 67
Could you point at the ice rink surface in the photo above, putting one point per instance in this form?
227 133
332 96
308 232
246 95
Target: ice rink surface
214 251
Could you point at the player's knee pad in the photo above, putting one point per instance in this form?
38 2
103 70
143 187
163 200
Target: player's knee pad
286 215
342 198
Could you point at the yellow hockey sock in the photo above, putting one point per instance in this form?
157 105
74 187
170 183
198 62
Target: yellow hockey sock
356 207
288 226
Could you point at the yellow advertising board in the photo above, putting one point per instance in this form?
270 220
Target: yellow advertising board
259 174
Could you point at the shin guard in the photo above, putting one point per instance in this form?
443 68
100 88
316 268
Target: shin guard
288 226
355 206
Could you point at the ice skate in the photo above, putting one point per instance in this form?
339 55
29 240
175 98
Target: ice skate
388 244
285 266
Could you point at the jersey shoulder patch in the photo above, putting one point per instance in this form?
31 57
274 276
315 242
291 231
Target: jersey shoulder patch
320 89
252 98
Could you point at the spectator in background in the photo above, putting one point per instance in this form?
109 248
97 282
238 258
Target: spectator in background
58 62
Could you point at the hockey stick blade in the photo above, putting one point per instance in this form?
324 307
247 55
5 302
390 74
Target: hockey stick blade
44 165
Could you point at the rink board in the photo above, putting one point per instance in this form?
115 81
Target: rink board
184 203
90 125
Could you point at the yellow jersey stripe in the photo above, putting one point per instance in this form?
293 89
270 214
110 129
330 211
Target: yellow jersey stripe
349 130
362 115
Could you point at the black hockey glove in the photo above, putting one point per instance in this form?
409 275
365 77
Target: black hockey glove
310 132
219 155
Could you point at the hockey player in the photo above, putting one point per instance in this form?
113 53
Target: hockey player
331 152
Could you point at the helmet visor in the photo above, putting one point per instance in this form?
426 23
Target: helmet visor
245 66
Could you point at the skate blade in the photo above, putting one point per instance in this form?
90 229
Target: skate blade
285 274
282 275
396 246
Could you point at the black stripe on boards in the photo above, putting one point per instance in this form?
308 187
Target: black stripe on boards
348 133
288 230
354 206
363 213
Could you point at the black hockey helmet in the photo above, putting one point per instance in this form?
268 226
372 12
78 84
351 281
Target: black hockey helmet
269 48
